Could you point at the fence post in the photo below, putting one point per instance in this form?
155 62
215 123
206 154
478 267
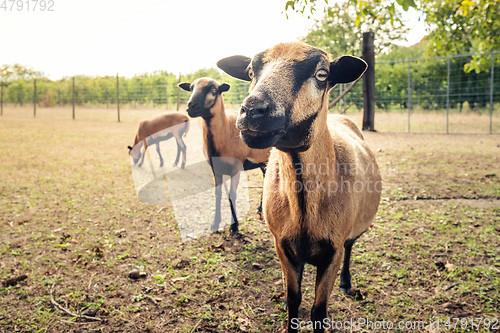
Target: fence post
448 98
492 70
34 98
409 96
73 97
1 99
178 93
135 97
369 82
118 96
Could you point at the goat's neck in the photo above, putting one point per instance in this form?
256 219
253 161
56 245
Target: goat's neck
216 126
305 175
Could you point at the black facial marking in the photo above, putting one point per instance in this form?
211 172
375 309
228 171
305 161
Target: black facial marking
304 70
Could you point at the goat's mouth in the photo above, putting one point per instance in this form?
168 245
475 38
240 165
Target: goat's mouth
193 113
261 140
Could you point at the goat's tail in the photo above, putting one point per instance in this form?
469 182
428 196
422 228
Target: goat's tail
186 128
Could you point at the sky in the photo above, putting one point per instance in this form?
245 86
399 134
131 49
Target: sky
131 37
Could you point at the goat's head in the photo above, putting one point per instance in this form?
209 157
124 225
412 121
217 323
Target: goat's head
205 94
135 153
288 93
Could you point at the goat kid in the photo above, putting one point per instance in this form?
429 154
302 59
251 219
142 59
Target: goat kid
322 185
226 152
160 128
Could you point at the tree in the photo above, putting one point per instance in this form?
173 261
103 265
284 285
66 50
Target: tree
339 31
455 27
16 72
463 27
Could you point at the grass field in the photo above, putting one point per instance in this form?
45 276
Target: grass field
71 222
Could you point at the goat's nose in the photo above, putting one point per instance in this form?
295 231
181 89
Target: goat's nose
254 109
192 104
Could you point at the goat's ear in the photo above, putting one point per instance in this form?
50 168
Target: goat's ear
224 87
185 86
130 148
236 66
346 69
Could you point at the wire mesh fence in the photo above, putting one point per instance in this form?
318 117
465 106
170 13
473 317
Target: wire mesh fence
437 95
416 95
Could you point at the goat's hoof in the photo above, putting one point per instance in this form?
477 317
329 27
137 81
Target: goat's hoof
345 290
235 234
174 165
183 166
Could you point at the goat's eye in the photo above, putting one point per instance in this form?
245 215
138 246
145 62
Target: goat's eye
214 91
321 75
250 74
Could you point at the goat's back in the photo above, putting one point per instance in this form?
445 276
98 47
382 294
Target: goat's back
155 124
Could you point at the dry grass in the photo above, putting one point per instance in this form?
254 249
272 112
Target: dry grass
70 215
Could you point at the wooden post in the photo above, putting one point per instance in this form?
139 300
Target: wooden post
369 82
1 99
34 98
118 96
492 81
448 97
73 97
409 96
178 93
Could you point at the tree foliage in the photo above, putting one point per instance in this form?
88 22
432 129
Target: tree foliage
455 27
17 71
465 26
339 32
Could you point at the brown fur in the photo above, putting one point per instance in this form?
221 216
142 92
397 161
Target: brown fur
222 140
160 128
324 193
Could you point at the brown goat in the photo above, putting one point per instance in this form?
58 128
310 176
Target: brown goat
322 186
160 128
225 150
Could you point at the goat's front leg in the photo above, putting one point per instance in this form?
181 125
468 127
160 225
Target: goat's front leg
292 271
263 169
159 153
325 279
218 195
232 202
145 145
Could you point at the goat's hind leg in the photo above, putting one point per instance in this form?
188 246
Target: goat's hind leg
181 148
232 202
218 194
345 275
